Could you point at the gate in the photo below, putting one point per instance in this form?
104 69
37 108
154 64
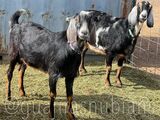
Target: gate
147 51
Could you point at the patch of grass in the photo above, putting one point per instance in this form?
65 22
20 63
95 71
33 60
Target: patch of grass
138 99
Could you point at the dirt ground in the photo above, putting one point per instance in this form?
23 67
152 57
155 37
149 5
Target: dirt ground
138 99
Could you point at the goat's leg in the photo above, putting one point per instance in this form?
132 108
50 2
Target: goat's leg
119 70
69 92
107 80
52 84
9 77
109 60
81 67
22 69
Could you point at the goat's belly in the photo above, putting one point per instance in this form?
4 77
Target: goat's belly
34 59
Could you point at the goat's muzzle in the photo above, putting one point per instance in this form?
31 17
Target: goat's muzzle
84 35
84 38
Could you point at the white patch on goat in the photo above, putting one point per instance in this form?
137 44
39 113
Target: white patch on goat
115 24
22 10
10 30
9 23
143 13
138 28
9 26
85 13
99 30
107 29
101 48
113 18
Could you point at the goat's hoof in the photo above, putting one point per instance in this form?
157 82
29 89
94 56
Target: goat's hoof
82 71
70 116
22 94
9 98
51 117
107 84
118 84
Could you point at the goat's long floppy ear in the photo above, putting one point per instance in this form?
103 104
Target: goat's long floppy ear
150 19
72 31
132 17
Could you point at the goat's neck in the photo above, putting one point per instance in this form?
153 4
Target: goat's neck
138 28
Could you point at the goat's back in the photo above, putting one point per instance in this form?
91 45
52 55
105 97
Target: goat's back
43 49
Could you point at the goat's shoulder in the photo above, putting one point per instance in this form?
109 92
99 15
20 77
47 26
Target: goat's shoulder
60 34
120 24
106 21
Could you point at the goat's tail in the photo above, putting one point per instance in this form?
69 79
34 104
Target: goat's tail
16 15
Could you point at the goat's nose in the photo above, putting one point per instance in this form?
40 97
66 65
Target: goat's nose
84 32
144 15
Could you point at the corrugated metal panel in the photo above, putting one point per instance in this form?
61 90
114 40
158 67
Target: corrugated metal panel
52 13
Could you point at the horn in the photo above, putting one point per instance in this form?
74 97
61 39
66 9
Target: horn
132 17
150 19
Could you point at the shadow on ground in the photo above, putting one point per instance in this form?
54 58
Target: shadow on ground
86 107
141 78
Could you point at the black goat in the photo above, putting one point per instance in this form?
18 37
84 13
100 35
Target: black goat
57 53
117 36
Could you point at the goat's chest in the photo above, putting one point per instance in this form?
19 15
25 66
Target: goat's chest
68 66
